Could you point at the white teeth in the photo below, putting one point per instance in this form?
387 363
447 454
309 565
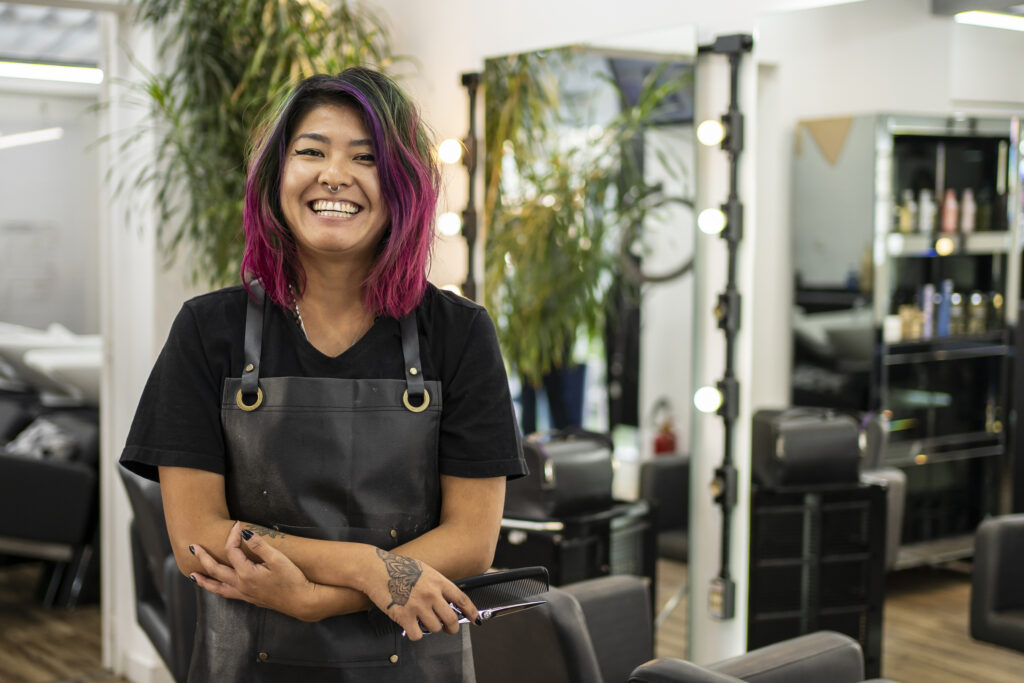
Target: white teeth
344 208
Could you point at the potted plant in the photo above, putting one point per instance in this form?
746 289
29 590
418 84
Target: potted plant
563 198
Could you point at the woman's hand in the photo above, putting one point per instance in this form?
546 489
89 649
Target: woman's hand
274 582
416 596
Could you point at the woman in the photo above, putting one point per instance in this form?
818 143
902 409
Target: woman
336 433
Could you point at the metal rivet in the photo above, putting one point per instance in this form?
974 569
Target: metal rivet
393 658
264 656
394 533
413 371
250 367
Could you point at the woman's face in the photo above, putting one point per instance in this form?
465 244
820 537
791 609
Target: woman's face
331 149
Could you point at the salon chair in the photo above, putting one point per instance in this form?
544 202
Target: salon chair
665 485
819 657
599 631
997 593
165 602
49 508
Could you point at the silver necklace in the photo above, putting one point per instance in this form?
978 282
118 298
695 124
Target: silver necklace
297 312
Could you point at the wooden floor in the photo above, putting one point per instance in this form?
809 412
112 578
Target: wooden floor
925 632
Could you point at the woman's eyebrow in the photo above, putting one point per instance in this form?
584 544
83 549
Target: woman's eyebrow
314 136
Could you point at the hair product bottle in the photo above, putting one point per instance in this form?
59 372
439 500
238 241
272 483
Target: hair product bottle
907 212
950 211
925 212
968 209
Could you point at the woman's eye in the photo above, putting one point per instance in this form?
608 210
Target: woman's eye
309 151
369 158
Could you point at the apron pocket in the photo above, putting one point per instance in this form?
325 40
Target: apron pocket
336 642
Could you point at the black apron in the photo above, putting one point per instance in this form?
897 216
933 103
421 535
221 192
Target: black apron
334 459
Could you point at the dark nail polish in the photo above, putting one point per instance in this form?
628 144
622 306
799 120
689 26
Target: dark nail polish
192 549
479 620
246 534
192 578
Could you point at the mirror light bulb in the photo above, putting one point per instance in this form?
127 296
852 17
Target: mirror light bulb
711 221
944 246
450 151
711 132
449 223
707 399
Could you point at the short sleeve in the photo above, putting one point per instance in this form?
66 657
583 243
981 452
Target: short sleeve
177 422
479 434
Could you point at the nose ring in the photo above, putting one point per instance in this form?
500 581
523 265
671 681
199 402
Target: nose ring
333 190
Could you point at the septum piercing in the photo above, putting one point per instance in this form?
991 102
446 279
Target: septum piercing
333 190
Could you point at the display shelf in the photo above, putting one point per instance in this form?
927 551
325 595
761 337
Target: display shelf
926 246
929 235
931 553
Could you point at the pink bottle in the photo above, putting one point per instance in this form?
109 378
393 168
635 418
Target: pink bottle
950 212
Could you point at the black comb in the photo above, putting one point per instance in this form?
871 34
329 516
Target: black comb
493 589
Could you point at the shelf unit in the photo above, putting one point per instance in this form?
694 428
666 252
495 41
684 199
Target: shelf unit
947 395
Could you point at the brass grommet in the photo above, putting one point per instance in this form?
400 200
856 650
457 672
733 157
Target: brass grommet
250 367
393 659
394 533
264 656
240 402
413 371
421 407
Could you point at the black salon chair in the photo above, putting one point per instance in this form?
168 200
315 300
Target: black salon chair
599 631
997 593
819 657
49 509
588 632
165 601
665 484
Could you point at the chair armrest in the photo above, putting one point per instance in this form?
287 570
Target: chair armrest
997 594
824 656
50 501
671 670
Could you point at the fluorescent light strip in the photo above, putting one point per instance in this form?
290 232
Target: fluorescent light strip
31 137
51 72
991 20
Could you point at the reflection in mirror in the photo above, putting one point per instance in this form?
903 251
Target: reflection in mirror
588 209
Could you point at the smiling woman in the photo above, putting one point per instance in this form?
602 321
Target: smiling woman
335 417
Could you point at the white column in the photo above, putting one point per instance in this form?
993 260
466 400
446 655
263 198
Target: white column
129 270
712 639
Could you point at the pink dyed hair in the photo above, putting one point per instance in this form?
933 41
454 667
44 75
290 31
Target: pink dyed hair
409 181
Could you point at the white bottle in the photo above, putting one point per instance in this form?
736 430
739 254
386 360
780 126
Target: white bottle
968 209
925 212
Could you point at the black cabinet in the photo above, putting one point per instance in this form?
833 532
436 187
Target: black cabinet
817 561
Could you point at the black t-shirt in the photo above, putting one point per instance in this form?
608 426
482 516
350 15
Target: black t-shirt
178 423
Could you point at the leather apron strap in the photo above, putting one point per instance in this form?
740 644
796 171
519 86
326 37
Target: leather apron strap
250 396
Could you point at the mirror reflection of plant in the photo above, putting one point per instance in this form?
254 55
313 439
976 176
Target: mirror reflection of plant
556 205
225 64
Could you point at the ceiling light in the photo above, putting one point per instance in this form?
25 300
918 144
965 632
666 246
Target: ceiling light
51 72
991 20
30 137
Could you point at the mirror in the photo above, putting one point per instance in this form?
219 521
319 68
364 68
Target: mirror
588 212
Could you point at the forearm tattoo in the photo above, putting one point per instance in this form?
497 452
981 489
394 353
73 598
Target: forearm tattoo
404 573
263 531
